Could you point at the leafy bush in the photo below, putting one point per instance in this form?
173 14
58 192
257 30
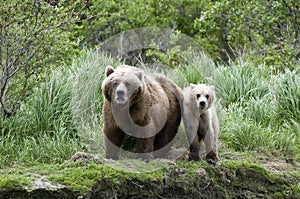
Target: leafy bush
261 31
268 30
34 39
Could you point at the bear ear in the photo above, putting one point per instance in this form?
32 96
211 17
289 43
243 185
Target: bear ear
140 75
106 91
108 70
212 87
192 85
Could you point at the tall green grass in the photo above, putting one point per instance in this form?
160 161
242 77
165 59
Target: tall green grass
44 129
87 98
240 82
287 96
199 69
262 112
60 117
258 112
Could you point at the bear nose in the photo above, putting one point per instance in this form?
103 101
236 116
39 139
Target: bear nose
120 93
202 103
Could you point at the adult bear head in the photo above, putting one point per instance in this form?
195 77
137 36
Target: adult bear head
123 86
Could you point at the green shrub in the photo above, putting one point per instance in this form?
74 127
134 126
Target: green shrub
287 95
61 117
87 97
199 69
257 112
243 134
239 83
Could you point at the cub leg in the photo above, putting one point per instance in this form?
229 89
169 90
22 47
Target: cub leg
190 128
210 145
194 149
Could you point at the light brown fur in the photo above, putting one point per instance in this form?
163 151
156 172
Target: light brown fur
200 120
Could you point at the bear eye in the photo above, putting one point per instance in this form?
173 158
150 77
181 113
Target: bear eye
198 95
207 96
127 84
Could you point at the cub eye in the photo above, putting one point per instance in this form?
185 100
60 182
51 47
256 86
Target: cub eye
127 84
198 95
207 96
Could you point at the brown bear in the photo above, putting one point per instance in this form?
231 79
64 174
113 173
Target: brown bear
200 120
144 106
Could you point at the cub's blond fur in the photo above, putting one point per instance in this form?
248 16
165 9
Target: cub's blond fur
200 120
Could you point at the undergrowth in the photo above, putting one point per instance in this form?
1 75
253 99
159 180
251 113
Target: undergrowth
258 111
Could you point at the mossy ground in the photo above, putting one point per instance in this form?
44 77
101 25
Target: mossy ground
128 178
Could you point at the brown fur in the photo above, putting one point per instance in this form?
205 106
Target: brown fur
149 90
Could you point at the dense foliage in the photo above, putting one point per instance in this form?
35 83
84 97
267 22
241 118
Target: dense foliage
262 31
39 35
258 112
34 38
44 103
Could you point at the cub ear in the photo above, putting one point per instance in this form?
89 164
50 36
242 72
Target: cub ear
108 70
192 85
212 87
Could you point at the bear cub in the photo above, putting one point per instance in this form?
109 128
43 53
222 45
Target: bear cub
200 121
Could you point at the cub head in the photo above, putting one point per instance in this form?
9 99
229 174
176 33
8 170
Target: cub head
123 85
203 95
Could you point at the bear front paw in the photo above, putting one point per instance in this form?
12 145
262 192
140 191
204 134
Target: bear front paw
194 157
211 161
212 158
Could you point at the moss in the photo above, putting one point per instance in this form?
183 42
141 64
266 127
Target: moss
183 179
296 174
296 190
15 180
233 165
82 178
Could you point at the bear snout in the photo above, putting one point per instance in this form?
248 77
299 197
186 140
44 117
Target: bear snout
120 93
120 97
202 104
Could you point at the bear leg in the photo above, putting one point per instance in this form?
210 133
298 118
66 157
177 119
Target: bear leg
144 148
194 149
210 144
113 139
165 138
212 157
